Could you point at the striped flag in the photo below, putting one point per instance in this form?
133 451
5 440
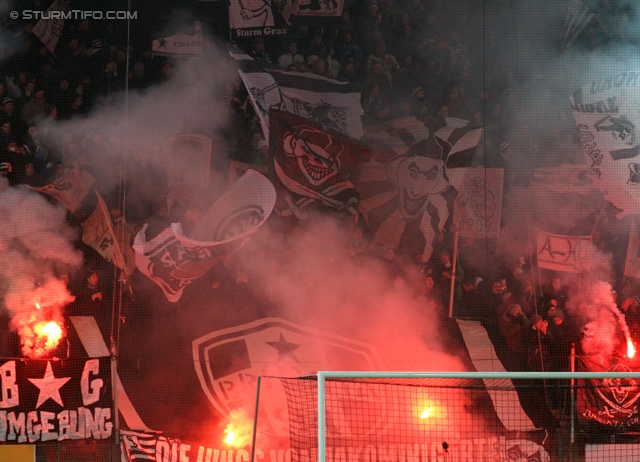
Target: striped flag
141 446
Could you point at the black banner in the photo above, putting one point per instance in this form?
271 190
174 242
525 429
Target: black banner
55 400
610 402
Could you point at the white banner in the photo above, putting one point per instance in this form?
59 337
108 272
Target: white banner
478 207
606 112
571 254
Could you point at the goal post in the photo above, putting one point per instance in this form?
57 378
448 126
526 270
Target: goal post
448 416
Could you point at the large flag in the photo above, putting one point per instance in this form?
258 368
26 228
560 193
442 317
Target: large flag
577 18
334 105
478 207
111 240
408 191
180 45
314 166
173 260
49 28
227 361
70 188
607 112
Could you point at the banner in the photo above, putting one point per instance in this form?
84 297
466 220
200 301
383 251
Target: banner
314 166
606 112
49 28
478 207
112 241
70 188
250 18
181 45
612 403
571 254
158 448
632 260
51 401
173 260
408 191
332 104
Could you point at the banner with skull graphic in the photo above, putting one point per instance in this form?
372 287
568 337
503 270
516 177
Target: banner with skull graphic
607 112
610 402
314 166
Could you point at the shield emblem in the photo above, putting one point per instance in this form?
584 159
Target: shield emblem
229 361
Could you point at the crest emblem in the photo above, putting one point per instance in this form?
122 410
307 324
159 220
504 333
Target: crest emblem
228 363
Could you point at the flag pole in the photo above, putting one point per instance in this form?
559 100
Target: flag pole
572 399
453 272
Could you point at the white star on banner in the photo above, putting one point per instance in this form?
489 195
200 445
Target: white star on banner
49 387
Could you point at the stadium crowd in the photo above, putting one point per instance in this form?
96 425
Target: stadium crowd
422 58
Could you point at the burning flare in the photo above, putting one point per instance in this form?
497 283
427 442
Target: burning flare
239 431
37 315
631 349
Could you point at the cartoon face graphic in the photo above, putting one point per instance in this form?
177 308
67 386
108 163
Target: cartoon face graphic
316 154
417 178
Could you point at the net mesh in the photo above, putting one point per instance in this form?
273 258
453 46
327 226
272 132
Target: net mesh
420 419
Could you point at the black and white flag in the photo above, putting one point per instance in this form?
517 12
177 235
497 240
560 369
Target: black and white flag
332 104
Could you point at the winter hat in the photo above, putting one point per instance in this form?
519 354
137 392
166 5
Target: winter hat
416 89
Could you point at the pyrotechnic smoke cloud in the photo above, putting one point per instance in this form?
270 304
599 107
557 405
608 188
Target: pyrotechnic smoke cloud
35 251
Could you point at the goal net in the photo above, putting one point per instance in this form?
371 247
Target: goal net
421 417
